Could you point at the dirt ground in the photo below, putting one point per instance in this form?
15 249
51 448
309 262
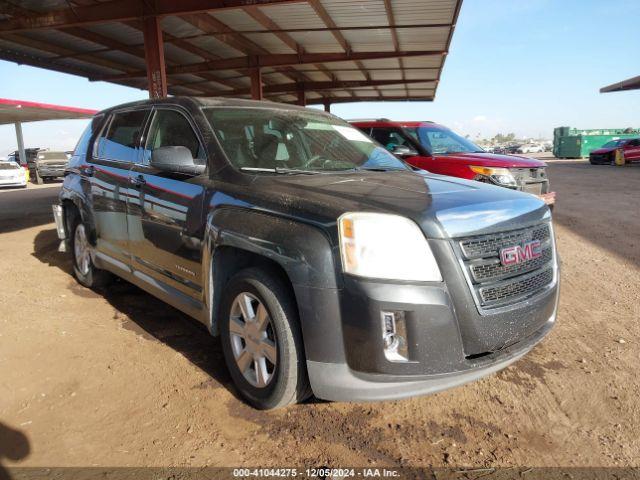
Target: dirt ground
120 379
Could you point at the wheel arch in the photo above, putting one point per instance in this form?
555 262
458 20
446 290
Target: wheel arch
300 254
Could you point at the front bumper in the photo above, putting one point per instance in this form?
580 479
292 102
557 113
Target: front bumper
449 341
337 382
19 181
51 172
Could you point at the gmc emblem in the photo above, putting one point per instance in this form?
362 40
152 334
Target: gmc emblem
520 253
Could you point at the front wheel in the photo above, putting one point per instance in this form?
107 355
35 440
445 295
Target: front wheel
261 340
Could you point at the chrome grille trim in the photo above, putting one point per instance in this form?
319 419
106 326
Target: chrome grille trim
490 245
494 285
493 270
510 290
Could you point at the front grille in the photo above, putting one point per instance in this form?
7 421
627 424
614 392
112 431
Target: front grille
494 284
600 158
516 289
494 270
490 245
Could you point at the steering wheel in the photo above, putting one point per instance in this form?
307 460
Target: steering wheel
319 161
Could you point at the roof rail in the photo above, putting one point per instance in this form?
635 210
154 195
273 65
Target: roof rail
368 120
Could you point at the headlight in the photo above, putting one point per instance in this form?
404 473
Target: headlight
377 245
501 176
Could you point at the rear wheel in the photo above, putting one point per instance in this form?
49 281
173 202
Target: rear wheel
261 340
83 268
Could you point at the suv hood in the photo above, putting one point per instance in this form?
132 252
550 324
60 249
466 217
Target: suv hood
495 160
443 206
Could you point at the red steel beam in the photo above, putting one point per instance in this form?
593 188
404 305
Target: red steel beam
154 56
123 10
276 60
395 98
256 83
317 86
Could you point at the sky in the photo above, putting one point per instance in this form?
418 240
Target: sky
521 66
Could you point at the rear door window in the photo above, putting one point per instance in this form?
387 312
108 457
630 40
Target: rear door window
120 139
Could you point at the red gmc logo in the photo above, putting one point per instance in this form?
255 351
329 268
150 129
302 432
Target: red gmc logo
520 253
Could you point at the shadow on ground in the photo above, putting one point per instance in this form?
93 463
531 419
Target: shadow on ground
14 445
20 209
145 315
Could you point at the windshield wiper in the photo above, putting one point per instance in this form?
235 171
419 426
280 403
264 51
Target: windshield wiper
280 170
379 169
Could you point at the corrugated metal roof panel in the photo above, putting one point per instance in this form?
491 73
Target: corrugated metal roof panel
369 40
347 13
293 15
179 28
269 42
23 49
410 12
416 38
317 42
216 47
350 75
355 18
118 31
237 20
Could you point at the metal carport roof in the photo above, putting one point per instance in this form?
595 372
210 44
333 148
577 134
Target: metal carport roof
630 84
13 111
297 51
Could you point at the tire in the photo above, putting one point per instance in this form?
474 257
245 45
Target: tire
83 268
284 381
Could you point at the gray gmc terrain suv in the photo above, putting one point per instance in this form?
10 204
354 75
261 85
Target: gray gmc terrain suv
324 263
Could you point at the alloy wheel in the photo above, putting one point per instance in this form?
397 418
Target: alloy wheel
81 250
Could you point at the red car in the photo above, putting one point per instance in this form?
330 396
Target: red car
606 154
437 149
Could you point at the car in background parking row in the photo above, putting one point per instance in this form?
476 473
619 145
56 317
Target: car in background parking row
12 175
606 154
42 164
437 149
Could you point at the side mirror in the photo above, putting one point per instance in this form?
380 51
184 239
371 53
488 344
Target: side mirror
175 160
403 151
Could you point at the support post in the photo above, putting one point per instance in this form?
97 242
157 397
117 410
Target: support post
256 83
327 106
154 56
21 151
302 98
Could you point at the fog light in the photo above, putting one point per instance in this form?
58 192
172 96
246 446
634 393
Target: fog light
394 336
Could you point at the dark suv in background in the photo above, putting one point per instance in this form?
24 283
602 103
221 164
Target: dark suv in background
324 263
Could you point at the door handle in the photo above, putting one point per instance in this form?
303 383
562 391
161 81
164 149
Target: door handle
137 181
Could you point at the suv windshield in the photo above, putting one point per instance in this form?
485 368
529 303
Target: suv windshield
442 141
288 141
614 143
